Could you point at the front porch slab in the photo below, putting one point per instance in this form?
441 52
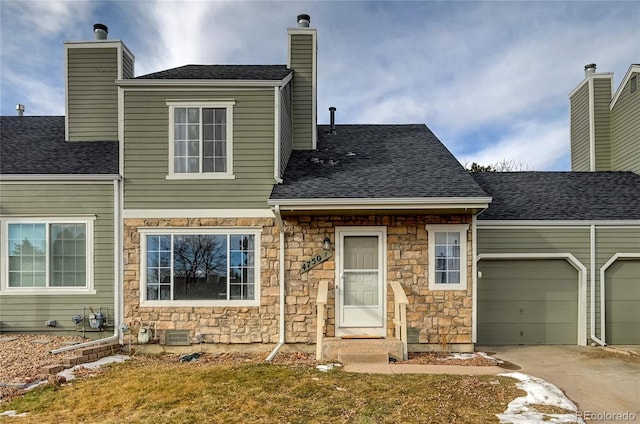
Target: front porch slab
334 347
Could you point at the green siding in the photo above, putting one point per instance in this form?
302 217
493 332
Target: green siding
579 128
146 151
127 66
608 241
92 95
527 302
302 50
601 101
625 130
28 313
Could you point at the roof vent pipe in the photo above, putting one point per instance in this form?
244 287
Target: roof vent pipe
303 21
589 69
100 31
20 109
332 121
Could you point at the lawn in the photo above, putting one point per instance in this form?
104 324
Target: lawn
148 389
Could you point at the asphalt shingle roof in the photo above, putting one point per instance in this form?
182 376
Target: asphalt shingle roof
223 72
376 161
36 145
561 195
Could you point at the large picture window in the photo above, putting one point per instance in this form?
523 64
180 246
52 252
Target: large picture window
200 142
210 267
447 257
46 255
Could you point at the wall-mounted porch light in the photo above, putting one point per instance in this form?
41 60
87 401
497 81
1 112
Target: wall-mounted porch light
327 243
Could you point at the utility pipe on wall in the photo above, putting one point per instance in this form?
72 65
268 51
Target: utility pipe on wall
592 264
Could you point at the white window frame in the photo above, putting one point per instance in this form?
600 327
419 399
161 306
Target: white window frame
144 232
4 257
217 104
463 230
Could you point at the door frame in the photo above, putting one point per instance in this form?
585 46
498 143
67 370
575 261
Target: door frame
381 233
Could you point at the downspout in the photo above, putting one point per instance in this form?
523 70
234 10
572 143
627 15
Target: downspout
272 355
592 247
116 270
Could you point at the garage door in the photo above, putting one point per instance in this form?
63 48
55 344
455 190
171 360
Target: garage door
527 302
622 302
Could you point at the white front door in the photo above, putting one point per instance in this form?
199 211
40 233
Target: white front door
360 281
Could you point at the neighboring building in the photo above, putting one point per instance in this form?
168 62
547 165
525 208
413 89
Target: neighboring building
605 129
204 204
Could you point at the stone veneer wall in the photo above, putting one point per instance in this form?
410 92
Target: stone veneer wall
220 324
440 316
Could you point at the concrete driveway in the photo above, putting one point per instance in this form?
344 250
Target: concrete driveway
596 380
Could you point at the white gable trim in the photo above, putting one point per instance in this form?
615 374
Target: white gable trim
632 69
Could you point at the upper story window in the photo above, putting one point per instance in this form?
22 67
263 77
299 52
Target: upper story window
186 267
200 139
447 257
47 256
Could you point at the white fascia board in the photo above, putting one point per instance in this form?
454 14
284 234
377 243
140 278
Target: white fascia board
489 224
199 83
632 70
198 213
382 203
44 178
589 78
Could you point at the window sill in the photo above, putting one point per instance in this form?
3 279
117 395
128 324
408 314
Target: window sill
47 292
444 287
211 176
197 303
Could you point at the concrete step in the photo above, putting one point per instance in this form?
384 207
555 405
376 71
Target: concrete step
335 349
349 358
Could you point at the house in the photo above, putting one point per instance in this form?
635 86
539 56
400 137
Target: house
207 206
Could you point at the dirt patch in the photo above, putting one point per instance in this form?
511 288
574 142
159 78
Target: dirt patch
475 359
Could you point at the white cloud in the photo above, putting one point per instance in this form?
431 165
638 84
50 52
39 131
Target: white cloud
538 145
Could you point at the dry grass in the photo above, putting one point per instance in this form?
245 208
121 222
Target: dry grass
150 389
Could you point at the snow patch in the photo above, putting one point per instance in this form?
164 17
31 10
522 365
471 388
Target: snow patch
69 374
539 392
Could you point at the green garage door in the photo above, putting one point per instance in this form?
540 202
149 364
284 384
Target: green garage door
527 302
622 302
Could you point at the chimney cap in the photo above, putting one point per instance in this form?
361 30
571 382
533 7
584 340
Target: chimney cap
591 67
100 31
20 109
303 20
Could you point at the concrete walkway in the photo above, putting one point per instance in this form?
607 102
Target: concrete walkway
596 380
422 369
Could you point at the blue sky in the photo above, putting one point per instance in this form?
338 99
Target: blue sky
491 79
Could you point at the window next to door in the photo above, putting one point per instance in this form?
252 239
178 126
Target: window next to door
447 257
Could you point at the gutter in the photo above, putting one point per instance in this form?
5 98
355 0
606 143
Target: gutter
592 253
281 341
117 295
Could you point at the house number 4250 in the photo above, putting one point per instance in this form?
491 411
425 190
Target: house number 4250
315 260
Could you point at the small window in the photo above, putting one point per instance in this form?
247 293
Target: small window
634 83
46 256
200 141
447 257
211 267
